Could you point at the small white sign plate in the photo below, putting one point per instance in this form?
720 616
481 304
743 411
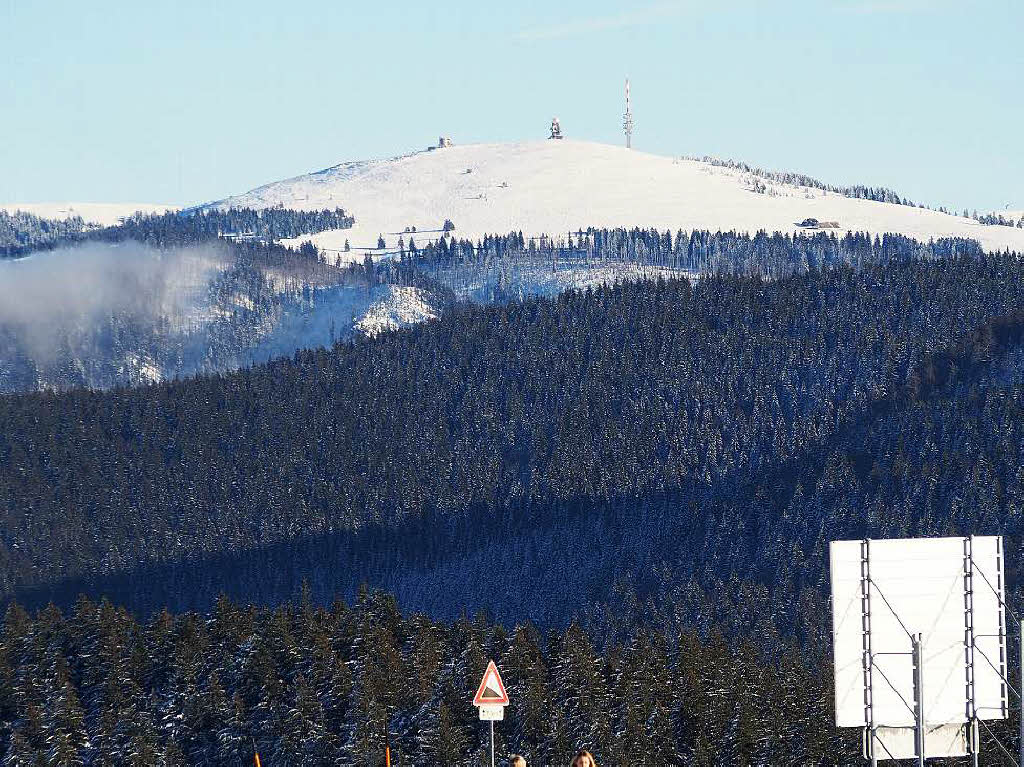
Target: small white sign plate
492 713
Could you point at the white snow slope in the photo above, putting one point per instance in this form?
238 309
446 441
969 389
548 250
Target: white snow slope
552 187
102 213
1009 215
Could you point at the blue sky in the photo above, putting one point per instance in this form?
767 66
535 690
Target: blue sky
187 101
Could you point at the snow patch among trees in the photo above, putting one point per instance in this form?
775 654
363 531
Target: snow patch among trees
398 307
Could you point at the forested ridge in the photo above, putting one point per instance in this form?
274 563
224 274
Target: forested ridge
196 225
699 251
214 290
729 428
23 233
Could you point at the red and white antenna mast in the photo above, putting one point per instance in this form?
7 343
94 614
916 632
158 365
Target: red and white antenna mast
627 119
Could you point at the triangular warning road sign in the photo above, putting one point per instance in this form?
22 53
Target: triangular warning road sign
491 691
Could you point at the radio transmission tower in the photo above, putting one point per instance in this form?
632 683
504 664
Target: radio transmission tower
627 119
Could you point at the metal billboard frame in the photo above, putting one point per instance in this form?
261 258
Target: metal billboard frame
883 666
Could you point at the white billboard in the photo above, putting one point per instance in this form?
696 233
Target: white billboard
949 590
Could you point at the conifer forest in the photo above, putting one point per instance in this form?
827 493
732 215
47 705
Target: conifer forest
545 384
623 494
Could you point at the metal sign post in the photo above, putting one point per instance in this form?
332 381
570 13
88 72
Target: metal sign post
919 698
491 699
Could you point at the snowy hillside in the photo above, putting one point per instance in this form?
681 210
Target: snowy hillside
104 314
551 187
1009 215
102 213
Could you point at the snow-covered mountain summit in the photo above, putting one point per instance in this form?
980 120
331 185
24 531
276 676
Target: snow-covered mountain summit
552 187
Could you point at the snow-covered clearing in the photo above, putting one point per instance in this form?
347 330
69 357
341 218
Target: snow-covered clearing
397 307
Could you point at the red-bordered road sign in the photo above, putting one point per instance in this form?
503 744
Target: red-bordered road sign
492 690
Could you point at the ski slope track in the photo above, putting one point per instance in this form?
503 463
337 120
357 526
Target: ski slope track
553 187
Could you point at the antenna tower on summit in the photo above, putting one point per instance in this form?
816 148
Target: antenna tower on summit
627 119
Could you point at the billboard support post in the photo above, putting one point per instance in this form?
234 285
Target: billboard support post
970 646
975 740
867 661
919 698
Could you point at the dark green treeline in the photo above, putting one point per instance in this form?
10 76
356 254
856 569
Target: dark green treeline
310 685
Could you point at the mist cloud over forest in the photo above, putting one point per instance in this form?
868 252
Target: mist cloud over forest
71 291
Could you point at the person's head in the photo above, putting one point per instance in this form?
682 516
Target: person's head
516 761
583 759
